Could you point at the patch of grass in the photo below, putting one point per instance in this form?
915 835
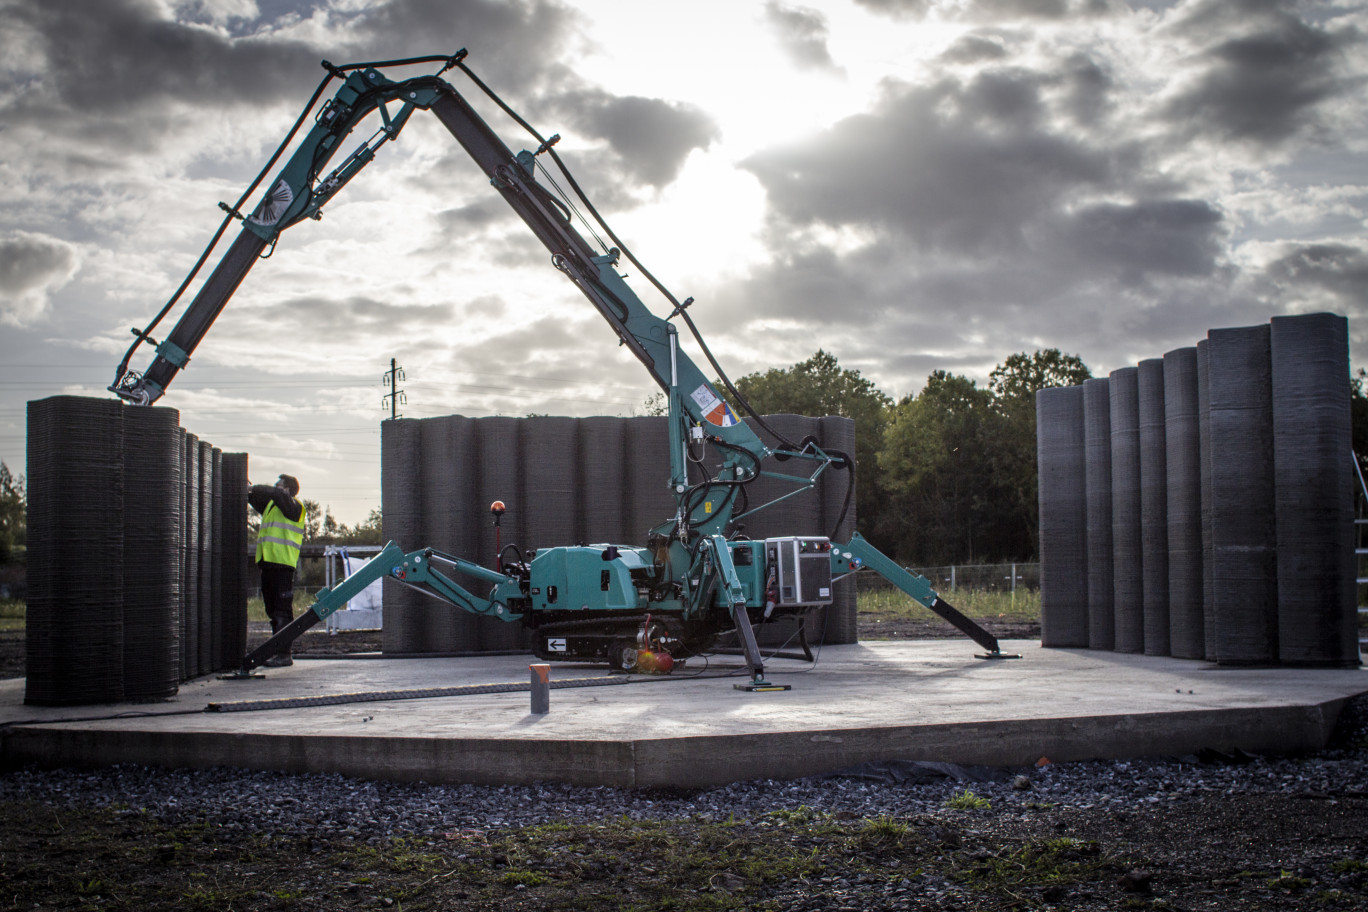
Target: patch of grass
893 604
12 615
1035 864
968 801
1288 881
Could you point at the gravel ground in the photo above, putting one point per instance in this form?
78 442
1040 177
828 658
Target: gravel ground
1210 832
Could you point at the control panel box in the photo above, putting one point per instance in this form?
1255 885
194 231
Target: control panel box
801 568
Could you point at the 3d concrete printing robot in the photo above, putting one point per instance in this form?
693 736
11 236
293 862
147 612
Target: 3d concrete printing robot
696 577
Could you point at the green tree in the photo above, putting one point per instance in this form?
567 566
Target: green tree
818 387
313 520
13 514
1014 385
938 472
1015 381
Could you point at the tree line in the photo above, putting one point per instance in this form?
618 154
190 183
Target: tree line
945 476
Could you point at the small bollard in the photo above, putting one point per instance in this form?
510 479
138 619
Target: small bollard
541 689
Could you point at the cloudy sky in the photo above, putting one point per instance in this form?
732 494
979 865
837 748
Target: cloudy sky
909 184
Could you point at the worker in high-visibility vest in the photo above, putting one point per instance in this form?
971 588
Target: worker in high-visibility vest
277 552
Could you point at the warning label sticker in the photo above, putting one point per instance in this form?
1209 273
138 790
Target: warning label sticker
715 410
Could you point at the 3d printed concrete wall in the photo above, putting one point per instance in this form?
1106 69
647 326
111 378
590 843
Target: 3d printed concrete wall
564 481
1231 506
136 577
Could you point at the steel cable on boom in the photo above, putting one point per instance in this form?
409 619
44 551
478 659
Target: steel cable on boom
236 210
626 251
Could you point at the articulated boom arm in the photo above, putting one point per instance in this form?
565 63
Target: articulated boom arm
300 189
694 563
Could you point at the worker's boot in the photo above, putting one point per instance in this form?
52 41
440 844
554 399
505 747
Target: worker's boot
279 660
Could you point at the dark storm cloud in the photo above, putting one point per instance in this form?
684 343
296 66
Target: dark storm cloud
1090 89
960 167
914 9
652 137
974 49
474 217
802 33
363 319
995 10
30 265
1136 242
1339 269
513 44
110 56
114 56
1266 83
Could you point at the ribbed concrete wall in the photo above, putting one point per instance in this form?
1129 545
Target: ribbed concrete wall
564 481
401 494
602 451
74 624
233 556
1063 517
152 476
839 622
1183 484
1153 506
1314 491
1127 567
1098 488
128 595
190 558
1231 504
1244 557
1204 441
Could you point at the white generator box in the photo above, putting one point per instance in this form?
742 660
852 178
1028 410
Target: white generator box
802 566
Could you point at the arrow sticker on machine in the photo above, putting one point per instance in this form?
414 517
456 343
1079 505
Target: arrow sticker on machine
715 410
555 644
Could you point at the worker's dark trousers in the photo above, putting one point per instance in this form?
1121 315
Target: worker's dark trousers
277 591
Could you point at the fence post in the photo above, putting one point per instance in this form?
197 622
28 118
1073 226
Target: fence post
952 577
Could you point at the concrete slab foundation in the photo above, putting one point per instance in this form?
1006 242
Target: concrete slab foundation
436 719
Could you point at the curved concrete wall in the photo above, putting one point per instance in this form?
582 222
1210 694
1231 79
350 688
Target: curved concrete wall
1153 507
1314 476
158 603
1063 517
1244 557
1127 561
1182 443
564 481
1098 488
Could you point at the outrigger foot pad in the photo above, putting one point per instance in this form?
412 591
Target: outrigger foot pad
997 655
242 674
761 686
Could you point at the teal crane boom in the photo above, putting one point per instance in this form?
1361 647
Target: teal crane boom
696 577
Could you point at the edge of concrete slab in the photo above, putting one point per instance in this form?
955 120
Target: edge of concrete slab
691 762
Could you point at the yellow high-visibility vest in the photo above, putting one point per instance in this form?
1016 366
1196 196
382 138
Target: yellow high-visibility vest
280 538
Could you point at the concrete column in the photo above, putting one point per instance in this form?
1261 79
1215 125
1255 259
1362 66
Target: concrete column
1182 440
1153 507
1098 482
1314 491
1244 559
1127 574
1063 517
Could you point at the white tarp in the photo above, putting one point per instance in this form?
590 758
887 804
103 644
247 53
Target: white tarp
368 598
